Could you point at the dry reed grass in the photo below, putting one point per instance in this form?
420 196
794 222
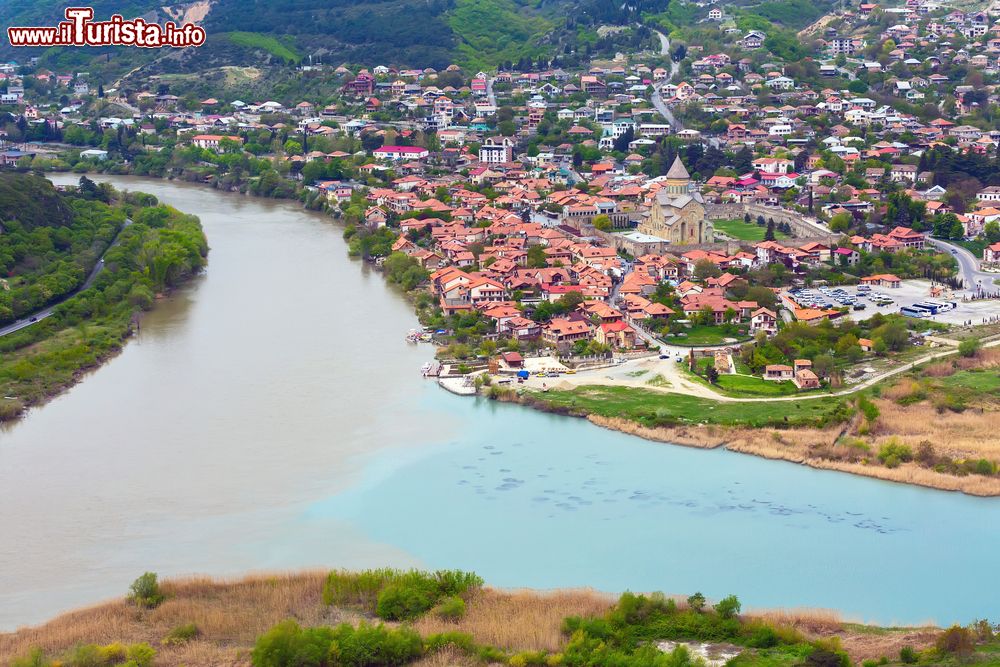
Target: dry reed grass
231 614
520 620
704 437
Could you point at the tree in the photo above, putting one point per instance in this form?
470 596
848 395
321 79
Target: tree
841 222
696 602
704 268
536 257
602 222
991 231
769 234
728 607
957 641
969 347
145 591
712 375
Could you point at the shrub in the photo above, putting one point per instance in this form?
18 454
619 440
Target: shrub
288 645
459 640
985 467
892 453
969 348
728 607
956 640
140 655
145 591
452 608
182 634
907 655
404 601
34 659
696 601
763 637
396 594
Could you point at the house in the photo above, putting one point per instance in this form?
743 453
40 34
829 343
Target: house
778 372
804 377
866 344
616 334
764 320
991 253
400 153
496 151
848 256
213 141
563 332
882 280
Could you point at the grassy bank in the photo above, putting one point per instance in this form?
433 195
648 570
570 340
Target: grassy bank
244 622
654 409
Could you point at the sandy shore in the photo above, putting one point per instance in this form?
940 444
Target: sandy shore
793 445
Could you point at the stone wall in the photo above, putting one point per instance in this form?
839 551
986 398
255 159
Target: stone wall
799 222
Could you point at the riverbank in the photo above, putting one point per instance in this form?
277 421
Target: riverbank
224 618
932 427
159 252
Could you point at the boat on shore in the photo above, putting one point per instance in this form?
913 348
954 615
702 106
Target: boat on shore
430 369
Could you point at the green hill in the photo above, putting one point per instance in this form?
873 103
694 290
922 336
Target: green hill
418 33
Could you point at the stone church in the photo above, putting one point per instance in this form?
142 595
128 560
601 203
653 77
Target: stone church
677 214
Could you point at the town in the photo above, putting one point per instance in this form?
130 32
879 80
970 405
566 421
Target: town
776 224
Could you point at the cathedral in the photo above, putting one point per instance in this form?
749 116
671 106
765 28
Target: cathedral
677 214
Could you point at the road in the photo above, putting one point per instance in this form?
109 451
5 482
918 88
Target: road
40 315
968 265
491 97
657 100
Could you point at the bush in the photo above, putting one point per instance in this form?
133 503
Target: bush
140 655
728 607
404 601
182 634
969 348
145 591
288 645
892 453
452 608
956 641
696 602
396 594
907 655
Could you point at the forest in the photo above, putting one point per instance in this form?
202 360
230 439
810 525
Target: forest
158 251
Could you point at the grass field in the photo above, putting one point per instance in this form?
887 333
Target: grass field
256 40
755 386
652 408
743 231
704 335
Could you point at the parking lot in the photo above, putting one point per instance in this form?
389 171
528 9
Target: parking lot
886 300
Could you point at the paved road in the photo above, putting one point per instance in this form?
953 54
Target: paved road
491 97
968 265
40 315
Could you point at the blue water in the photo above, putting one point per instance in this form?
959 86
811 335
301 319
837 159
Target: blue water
537 500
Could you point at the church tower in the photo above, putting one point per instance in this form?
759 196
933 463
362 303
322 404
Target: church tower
678 180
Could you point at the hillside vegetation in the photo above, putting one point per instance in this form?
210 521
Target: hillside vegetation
419 33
